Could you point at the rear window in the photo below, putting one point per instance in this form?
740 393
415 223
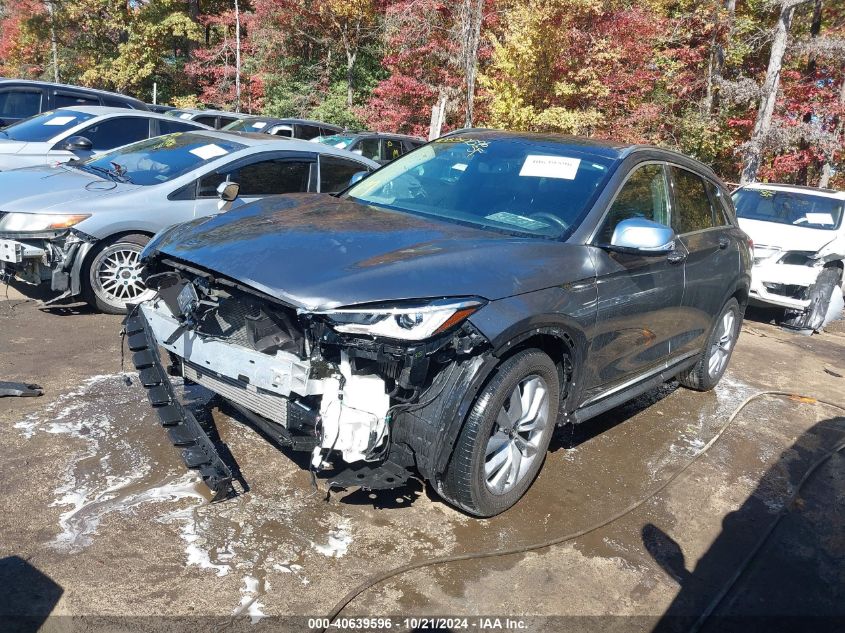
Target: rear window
19 104
45 126
788 207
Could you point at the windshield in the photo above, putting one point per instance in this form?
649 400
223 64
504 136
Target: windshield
158 160
514 185
45 126
335 140
246 125
788 207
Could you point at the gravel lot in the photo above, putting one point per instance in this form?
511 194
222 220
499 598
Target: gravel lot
98 516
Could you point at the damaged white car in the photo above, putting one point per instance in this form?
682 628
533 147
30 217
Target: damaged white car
799 248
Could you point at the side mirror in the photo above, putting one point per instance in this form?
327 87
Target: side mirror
642 237
228 191
358 176
77 144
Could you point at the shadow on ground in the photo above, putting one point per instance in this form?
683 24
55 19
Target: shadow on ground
795 581
27 598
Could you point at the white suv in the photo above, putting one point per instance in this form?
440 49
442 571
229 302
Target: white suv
799 248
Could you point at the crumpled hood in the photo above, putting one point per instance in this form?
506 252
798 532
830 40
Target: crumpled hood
787 237
315 251
45 189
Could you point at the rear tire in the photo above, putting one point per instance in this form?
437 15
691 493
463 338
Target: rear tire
716 355
111 274
503 444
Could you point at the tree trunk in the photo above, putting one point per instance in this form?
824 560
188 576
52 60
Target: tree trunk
769 92
827 168
472 15
809 76
438 112
350 78
237 57
717 59
54 47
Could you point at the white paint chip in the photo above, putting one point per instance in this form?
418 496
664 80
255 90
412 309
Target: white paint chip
538 166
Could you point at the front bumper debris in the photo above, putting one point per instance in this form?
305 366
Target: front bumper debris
56 258
183 429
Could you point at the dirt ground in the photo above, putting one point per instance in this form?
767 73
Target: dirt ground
98 516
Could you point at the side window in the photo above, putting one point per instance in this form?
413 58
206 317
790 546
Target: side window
281 130
411 146
171 127
208 184
369 148
692 204
117 131
66 100
392 149
266 178
307 132
210 121
644 195
335 173
19 104
272 177
223 121
719 204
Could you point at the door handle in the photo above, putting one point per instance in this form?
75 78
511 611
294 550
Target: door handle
676 257
724 242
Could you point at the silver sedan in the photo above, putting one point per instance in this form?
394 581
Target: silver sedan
77 133
81 226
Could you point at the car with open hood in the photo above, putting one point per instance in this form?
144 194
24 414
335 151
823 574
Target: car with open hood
799 249
80 227
60 136
445 313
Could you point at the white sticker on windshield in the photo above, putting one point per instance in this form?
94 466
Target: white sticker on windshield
207 152
460 166
259 125
820 218
539 166
60 120
185 115
517 220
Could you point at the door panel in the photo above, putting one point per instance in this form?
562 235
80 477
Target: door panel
639 297
711 260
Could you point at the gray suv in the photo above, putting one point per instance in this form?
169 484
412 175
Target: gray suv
446 312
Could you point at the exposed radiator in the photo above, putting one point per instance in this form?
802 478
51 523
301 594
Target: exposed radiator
270 406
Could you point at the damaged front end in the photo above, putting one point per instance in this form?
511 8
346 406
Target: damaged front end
369 391
39 257
802 282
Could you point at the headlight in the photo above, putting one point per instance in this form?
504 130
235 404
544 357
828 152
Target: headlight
40 221
405 321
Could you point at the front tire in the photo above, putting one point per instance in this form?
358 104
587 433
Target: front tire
111 274
716 355
503 444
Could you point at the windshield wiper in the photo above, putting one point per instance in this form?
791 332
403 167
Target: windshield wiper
113 174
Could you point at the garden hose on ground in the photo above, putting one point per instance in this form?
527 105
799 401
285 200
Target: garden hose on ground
440 560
